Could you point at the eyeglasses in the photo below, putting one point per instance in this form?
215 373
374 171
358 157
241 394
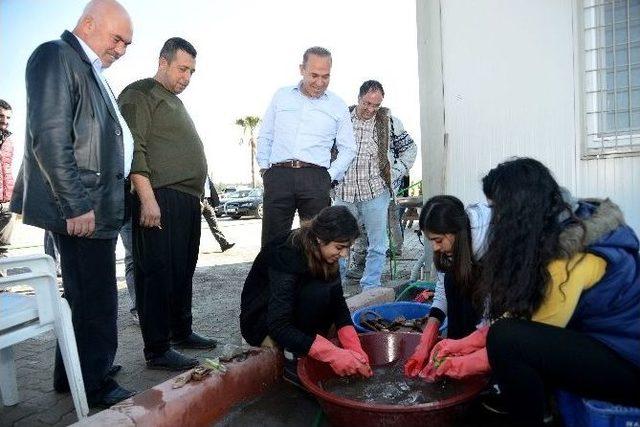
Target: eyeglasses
367 104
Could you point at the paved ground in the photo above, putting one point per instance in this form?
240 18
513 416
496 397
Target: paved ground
216 301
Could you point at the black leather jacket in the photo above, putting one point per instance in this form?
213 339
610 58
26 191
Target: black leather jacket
74 156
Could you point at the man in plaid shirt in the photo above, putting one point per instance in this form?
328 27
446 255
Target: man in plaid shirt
385 153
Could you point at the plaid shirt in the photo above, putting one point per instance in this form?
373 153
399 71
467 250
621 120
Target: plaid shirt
362 181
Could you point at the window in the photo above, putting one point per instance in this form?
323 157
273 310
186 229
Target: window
612 76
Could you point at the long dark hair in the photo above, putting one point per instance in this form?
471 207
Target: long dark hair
523 237
332 224
446 215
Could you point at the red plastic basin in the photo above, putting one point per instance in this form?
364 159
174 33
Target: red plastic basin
382 349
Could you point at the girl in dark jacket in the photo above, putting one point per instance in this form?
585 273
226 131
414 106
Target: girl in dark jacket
561 285
293 294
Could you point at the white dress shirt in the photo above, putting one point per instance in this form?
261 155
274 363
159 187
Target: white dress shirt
297 127
127 138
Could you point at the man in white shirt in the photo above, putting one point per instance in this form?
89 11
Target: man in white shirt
298 131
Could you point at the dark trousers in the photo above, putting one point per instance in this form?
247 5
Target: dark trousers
528 358
209 214
461 315
164 262
89 281
287 190
315 309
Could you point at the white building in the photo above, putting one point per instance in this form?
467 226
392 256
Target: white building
557 80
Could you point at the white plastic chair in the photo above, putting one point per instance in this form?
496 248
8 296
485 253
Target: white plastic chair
23 317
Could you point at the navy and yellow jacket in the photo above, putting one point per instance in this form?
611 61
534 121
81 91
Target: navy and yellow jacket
595 289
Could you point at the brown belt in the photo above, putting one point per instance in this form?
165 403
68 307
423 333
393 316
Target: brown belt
295 164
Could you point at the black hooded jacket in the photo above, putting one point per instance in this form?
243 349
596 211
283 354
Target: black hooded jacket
271 304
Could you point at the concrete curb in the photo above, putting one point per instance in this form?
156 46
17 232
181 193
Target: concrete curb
205 402
197 403
370 297
107 418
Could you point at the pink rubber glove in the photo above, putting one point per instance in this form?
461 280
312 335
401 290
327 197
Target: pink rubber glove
342 361
424 296
476 363
454 349
428 339
348 337
472 342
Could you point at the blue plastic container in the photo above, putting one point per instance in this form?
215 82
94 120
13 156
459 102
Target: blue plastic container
579 412
392 310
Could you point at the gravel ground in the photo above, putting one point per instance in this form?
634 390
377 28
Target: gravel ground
216 306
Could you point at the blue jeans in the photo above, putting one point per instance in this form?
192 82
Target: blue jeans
372 214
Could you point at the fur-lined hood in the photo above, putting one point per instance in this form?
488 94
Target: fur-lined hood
605 218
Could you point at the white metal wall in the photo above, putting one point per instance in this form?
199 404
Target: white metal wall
509 89
618 179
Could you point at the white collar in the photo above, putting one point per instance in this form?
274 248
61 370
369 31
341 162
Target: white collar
93 57
299 89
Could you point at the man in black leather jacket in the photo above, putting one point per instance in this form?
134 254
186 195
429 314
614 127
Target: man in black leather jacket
77 157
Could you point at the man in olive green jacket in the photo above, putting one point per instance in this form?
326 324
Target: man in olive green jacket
168 174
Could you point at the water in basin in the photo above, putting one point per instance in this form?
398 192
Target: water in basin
389 386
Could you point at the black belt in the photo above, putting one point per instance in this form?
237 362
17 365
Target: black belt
295 164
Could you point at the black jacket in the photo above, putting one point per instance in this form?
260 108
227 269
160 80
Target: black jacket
271 305
214 199
74 156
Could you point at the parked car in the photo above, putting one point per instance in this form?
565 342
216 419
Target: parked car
228 194
229 190
249 204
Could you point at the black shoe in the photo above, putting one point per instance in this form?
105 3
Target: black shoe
227 246
171 360
195 341
109 395
396 254
494 402
355 273
62 385
114 370
290 373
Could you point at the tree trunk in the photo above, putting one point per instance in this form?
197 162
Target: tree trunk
253 168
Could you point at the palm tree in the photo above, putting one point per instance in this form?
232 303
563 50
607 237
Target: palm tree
248 124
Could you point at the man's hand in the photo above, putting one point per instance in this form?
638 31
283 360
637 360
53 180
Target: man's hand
262 171
150 213
83 225
149 209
